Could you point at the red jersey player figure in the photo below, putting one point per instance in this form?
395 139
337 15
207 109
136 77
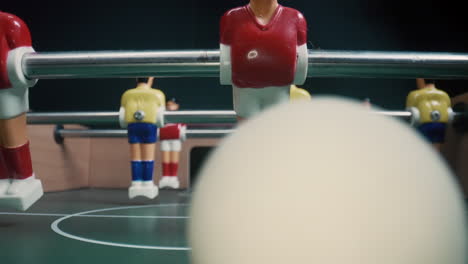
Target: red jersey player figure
18 186
263 51
171 137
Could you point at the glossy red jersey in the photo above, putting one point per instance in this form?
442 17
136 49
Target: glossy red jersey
263 55
13 34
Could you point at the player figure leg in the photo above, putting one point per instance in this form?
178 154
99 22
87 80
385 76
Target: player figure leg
24 189
136 166
142 138
16 151
166 159
147 153
171 155
4 171
174 164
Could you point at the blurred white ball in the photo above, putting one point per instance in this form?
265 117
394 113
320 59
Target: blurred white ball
326 182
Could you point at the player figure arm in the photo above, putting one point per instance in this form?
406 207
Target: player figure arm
225 65
225 51
19 42
122 121
302 63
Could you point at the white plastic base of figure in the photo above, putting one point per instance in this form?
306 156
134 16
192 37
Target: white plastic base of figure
4 184
169 181
21 194
146 189
20 186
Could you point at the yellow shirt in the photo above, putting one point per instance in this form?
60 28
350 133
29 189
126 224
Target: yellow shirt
428 100
142 104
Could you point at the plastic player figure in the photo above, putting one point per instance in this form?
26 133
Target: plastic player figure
18 186
171 137
431 111
263 51
141 112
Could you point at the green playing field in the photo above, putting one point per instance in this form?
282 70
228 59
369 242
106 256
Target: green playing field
97 226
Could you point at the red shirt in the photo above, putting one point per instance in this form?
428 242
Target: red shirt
13 34
263 55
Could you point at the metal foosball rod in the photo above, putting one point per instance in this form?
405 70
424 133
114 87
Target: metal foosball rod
206 63
120 133
112 118
215 118
219 118
197 117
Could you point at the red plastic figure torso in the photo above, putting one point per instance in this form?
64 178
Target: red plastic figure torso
13 34
263 55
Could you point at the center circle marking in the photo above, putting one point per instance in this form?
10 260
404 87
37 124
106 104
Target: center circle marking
55 227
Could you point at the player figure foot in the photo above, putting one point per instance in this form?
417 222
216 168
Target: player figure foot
145 188
21 194
136 184
4 184
133 190
169 181
20 186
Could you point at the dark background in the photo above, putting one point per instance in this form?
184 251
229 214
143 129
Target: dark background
193 24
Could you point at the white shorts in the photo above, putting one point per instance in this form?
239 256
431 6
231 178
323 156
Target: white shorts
171 145
250 101
13 102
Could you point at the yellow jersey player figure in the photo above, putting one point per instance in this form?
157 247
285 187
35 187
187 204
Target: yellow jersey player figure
141 113
431 111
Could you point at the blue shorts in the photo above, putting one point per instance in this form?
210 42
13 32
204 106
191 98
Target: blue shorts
142 133
434 132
